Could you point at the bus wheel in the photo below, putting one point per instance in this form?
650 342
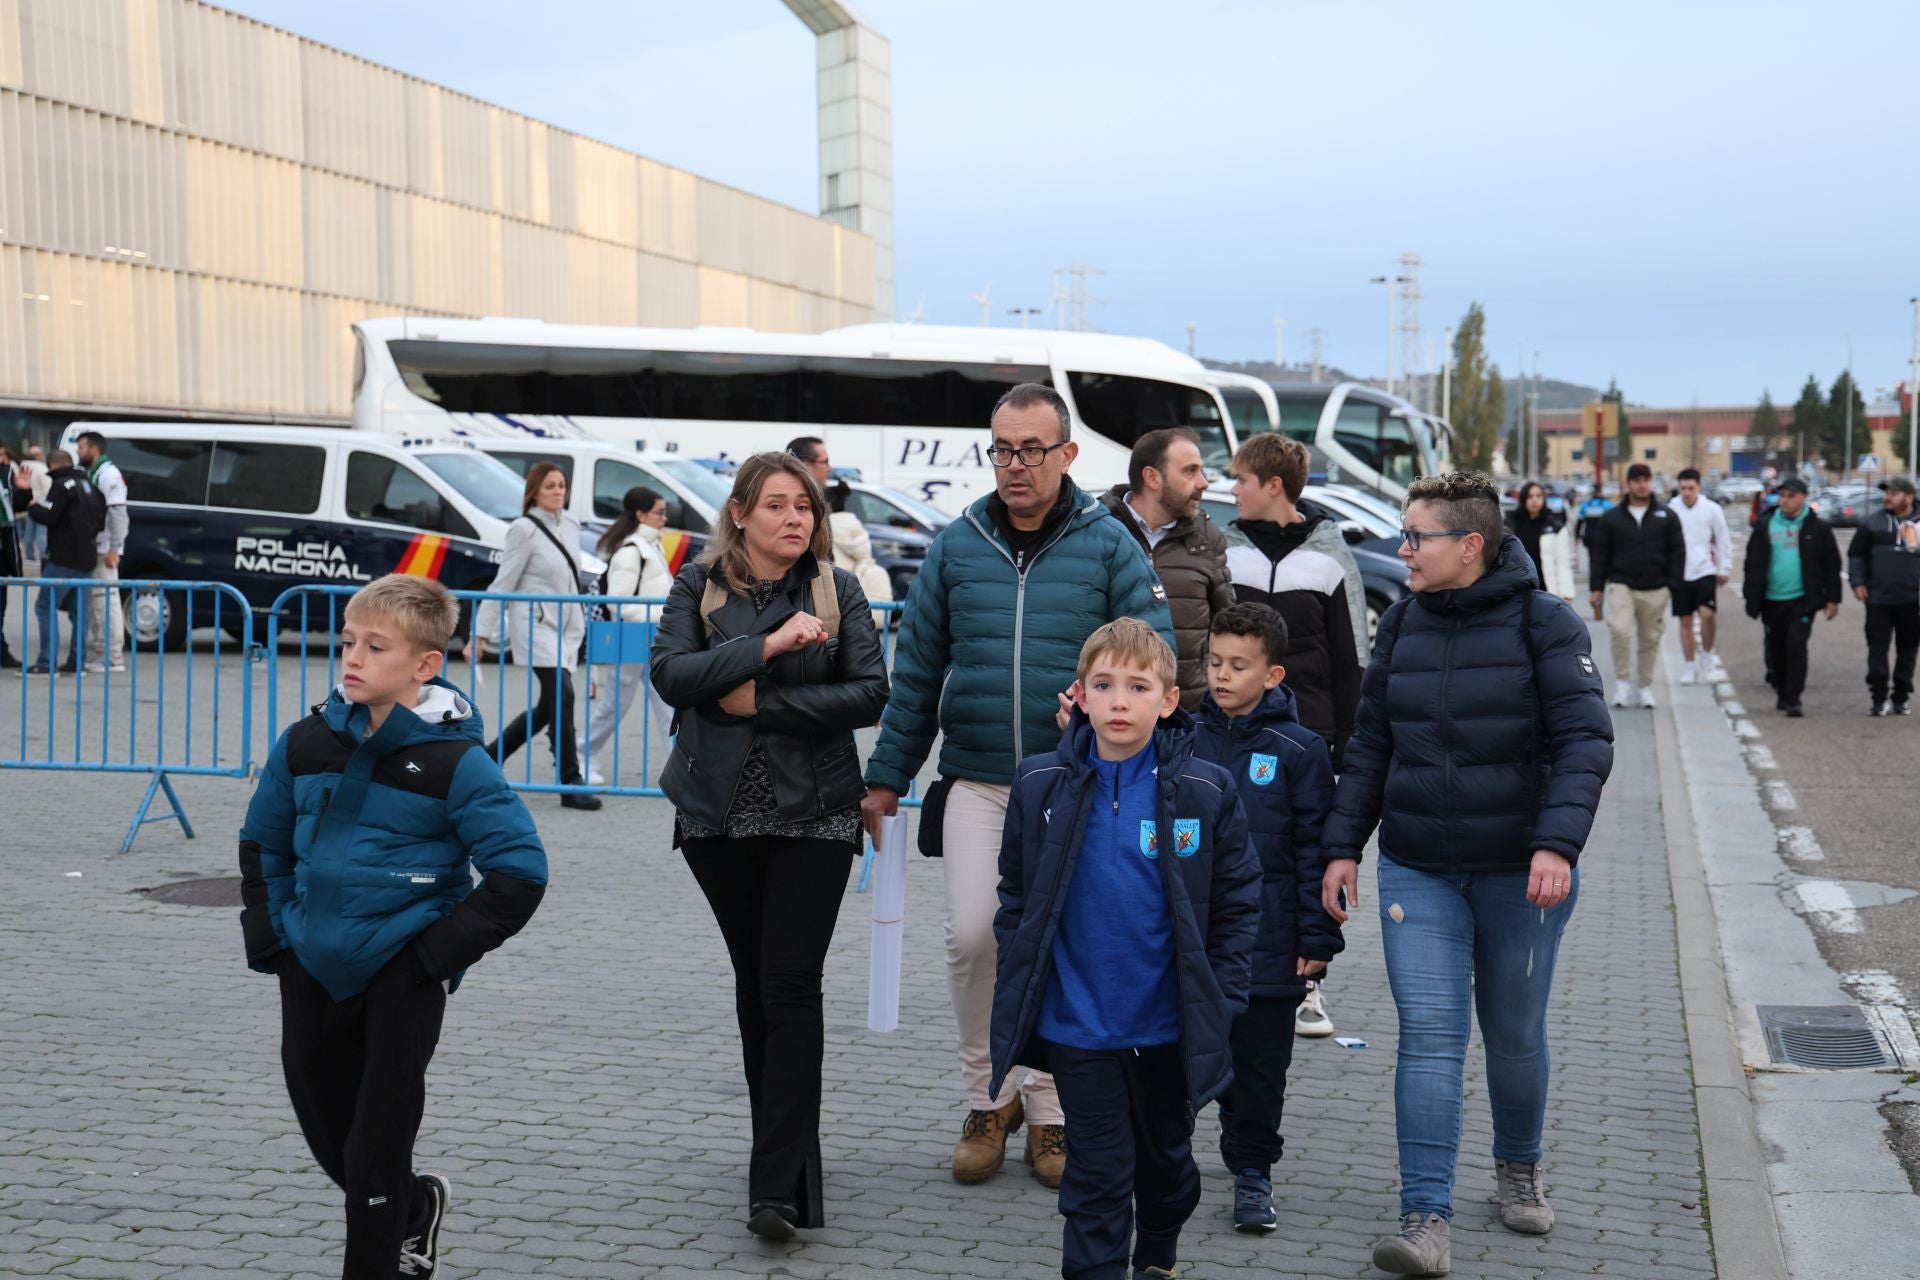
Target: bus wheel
158 620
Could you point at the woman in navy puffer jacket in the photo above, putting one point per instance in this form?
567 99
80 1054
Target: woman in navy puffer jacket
1483 737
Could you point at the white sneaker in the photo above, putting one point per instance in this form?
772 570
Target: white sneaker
1646 696
1310 1019
1711 668
1622 694
1690 674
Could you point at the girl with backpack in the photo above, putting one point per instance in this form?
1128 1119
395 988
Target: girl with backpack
769 654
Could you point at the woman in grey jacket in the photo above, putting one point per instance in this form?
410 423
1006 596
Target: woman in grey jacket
541 560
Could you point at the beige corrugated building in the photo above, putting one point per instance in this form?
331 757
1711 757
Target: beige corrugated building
194 206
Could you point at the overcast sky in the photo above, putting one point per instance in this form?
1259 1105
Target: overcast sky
1703 199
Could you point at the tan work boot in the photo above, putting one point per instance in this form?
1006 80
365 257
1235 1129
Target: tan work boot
982 1148
1047 1153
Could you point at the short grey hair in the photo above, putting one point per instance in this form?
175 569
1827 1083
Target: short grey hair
1028 394
1464 500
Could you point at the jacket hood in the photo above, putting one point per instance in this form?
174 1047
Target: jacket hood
1276 541
1172 739
442 712
1277 707
1512 575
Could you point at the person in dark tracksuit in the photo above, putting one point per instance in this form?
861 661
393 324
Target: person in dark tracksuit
1129 900
1284 772
356 866
1884 562
1792 572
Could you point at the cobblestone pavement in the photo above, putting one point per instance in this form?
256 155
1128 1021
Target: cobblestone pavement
587 1103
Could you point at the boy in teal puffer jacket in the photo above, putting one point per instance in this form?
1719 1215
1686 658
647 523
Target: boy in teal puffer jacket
358 893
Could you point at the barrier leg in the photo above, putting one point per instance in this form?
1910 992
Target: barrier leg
140 818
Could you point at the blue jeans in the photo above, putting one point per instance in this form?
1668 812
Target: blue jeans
1466 937
61 598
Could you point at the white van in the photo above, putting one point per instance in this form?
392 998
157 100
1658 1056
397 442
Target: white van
265 508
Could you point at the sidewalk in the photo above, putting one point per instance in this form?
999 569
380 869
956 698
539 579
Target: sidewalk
587 1103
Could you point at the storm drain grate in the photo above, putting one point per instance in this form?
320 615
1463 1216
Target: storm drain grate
1823 1037
223 891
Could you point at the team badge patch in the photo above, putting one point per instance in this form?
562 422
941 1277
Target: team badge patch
1586 666
1262 768
1186 837
1149 838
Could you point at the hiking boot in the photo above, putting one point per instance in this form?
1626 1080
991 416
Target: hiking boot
1310 1019
1419 1248
420 1252
1253 1201
1523 1204
982 1148
1047 1153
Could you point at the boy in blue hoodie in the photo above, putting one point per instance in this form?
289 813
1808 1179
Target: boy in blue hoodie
1129 897
355 864
1284 773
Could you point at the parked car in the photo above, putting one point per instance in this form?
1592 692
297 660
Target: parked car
599 475
1850 506
1736 489
900 526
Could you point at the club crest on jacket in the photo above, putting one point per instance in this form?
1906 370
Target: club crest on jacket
1186 837
1262 768
1149 838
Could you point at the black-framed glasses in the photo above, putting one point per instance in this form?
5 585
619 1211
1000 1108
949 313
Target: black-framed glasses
1030 456
1412 537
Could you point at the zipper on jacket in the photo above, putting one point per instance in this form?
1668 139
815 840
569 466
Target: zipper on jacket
1446 755
1116 792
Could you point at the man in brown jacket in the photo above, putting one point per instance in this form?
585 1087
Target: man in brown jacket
1160 504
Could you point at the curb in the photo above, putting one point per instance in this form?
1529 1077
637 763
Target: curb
1742 1225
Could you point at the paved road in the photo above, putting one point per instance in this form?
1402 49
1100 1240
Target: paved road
586 1100
1849 779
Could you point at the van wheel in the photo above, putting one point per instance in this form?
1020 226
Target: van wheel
158 620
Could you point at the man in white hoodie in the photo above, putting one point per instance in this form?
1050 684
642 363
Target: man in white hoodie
1709 563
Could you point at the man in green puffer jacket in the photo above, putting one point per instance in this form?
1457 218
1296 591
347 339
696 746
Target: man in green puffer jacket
989 642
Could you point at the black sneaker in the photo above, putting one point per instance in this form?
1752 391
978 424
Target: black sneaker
420 1252
7 661
1795 712
1880 708
1253 1201
69 669
1901 709
39 669
772 1220
579 800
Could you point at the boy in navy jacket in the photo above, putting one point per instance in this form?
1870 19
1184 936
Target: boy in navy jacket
1129 898
1284 774
355 866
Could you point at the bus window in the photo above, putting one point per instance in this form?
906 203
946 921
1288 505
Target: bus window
1124 408
1400 453
164 470
267 477
1357 430
379 488
1300 417
1247 409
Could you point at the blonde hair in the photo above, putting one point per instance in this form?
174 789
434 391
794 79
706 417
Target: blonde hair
726 550
1267 455
423 610
1133 643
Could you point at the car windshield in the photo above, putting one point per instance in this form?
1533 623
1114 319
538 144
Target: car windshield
486 482
704 483
931 516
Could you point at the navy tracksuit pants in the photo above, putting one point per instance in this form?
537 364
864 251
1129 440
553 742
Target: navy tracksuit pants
1130 1167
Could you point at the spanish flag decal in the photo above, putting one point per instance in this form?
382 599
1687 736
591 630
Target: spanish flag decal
423 556
676 544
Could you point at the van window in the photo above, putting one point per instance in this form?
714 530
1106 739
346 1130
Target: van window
612 479
521 463
383 489
163 470
267 477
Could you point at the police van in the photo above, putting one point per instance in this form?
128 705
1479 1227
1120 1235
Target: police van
266 508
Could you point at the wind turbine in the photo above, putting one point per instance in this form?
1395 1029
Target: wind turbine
919 313
981 298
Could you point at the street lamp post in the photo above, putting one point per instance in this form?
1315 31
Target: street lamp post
1913 397
1026 314
1390 282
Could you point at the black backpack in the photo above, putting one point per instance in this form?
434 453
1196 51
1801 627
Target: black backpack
89 507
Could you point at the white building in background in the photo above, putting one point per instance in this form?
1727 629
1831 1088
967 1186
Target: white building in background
195 207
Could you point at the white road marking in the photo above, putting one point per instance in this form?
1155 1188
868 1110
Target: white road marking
1798 842
1760 756
1732 708
1884 1002
1780 796
1829 903
1746 728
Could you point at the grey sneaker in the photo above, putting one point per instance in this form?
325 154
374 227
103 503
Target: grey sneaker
1523 1205
1419 1248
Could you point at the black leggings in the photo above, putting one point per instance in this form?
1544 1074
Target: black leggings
540 716
776 901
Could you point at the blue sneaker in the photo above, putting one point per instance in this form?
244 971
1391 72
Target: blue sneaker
1253 1202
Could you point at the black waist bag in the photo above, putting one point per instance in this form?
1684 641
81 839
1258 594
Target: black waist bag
933 818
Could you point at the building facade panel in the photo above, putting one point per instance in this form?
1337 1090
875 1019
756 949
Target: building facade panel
195 206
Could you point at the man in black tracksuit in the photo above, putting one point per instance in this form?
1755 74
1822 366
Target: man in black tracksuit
1788 595
1884 563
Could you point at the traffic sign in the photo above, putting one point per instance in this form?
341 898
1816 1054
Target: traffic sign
1869 462
1769 473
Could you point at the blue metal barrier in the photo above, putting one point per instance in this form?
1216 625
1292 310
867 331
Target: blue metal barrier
305 621
139 716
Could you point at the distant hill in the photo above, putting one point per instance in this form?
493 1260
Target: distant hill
1281 372
1554 394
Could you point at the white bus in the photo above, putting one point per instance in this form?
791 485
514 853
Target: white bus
1358 435
905 404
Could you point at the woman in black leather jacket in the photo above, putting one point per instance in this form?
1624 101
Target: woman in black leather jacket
769 656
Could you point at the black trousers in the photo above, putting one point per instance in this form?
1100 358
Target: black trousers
1130 1178
9 568
1789 627
1899 623
540 716
356 1072
776 902
1250 1110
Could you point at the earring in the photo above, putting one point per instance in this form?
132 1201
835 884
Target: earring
738 525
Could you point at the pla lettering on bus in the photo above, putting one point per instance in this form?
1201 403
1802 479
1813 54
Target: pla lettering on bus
926 453
295 559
